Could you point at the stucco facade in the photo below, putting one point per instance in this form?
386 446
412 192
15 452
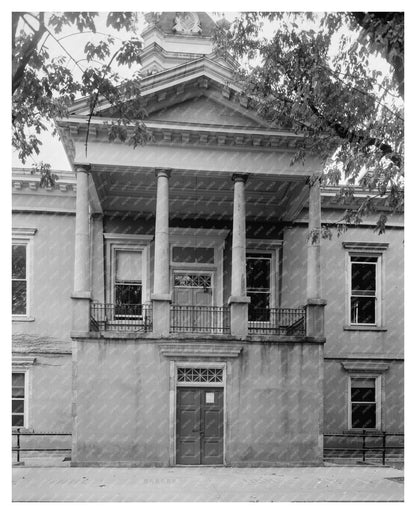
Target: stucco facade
174 298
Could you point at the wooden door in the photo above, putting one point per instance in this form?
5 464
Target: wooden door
199 425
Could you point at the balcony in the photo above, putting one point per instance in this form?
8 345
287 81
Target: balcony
127 317
196 319
284 322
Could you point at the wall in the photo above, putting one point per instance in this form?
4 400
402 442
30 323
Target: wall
273 404
52 275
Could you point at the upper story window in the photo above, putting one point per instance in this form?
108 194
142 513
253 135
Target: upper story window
258 268
128 277
364 283
19 279
364 289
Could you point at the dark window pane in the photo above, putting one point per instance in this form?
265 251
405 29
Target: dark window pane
259 307
18 379
128 294
17 420
193 254
258 274
363 259
18 261
363 416
363 394
363 310
18 392
17 406
18 297
363 277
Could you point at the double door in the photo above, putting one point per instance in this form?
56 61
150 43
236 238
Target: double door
200 425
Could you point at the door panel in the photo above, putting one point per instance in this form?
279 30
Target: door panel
199 425
188 424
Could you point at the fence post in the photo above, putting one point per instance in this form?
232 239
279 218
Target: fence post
384 448
363 445
18 445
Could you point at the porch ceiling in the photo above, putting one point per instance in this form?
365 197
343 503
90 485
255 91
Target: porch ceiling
199 194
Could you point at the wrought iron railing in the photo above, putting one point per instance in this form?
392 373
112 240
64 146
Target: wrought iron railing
51 444
364 444
282 321
110 316
207 319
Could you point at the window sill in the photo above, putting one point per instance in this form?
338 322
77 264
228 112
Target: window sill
365 328
359 431
22 318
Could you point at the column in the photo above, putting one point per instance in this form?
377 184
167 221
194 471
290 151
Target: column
239 300
82 290
315 304
161 297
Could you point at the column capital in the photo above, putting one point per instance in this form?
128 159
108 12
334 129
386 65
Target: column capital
163 172
84 167
239 177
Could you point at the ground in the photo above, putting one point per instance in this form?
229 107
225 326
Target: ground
203 484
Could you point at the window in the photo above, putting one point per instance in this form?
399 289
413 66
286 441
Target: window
364 404
364 290
18 400
259 286
127 282
193 255
19 279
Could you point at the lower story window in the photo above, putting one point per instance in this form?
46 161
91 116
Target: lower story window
363 403
18 400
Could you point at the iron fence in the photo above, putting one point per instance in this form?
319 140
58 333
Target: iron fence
364 444
17 446
111 316
207 319
278 321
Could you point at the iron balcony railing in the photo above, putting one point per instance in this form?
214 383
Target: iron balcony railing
277 321
110 316
207 319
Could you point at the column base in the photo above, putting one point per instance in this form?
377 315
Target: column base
161 314
81 311
239 315
315 317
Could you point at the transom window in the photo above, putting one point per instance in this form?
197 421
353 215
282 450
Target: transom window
19 279
363 289
200 375
363 403
258 267
192 280
18 400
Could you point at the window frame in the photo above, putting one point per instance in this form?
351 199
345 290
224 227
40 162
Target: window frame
127 242
24 237
378 397
25 372
378 292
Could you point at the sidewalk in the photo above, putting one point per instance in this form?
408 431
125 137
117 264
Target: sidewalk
206 484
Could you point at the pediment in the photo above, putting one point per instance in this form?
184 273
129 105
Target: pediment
203 110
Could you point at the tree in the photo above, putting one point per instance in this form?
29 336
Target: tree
316 78
45 83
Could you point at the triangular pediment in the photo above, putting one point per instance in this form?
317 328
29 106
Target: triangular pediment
203 110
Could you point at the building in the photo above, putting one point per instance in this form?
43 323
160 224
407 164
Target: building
180 310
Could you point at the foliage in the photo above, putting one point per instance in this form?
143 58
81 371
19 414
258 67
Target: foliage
44 86
315 76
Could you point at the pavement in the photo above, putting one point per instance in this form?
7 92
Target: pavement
208 484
